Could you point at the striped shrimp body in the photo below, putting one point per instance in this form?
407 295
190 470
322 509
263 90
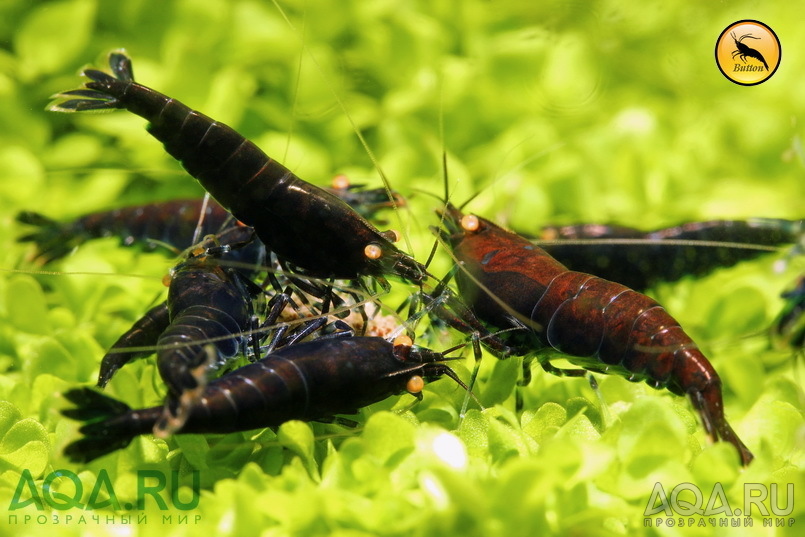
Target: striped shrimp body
306 226
310 381
174 224
669 254
202 325
603 326
171 223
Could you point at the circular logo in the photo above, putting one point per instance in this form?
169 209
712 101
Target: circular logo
748 52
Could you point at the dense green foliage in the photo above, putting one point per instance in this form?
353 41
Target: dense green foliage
599 111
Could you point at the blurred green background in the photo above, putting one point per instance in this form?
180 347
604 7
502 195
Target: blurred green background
556 112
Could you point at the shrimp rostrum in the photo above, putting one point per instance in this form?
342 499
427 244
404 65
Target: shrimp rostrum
312 381
311 229
602 326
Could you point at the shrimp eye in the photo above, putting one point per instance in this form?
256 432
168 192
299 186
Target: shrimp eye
470 222
166 280
373 251
340 182
415 384
403 340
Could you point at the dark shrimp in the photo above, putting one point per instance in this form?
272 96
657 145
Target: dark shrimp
143 334
305 226
202 325
310 381
603 326
743 50
168 223
648 261
171 223
366 202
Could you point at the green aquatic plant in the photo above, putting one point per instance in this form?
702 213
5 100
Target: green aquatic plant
558 112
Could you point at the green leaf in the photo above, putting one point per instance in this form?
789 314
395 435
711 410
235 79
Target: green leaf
227 452
9 415
778 422
650 427
27 309
545 422
730 313
386 435
25 446
501 382
579 405
194 448
546 113
22 175
441 447
473 431
74 151
52 35
505 441
52 358
717 463
580 426
297 436
46 397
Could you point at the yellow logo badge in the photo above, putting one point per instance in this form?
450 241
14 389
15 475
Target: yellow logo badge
748 52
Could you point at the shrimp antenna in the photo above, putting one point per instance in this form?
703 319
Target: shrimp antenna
452 374
445 200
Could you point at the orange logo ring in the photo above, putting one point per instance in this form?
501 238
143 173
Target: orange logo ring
748 52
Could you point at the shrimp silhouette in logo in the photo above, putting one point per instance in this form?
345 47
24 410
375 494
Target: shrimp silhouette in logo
744 50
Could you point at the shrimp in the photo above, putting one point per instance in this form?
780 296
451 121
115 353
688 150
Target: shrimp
366 202
175 224
305 226
172 223
204 323
310 381
603 326
643 259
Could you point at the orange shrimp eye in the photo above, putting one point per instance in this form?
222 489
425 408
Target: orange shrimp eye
166 280
415 384
373 251
340 182
403 340
470 222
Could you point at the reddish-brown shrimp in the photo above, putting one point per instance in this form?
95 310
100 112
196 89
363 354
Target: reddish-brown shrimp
602 326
